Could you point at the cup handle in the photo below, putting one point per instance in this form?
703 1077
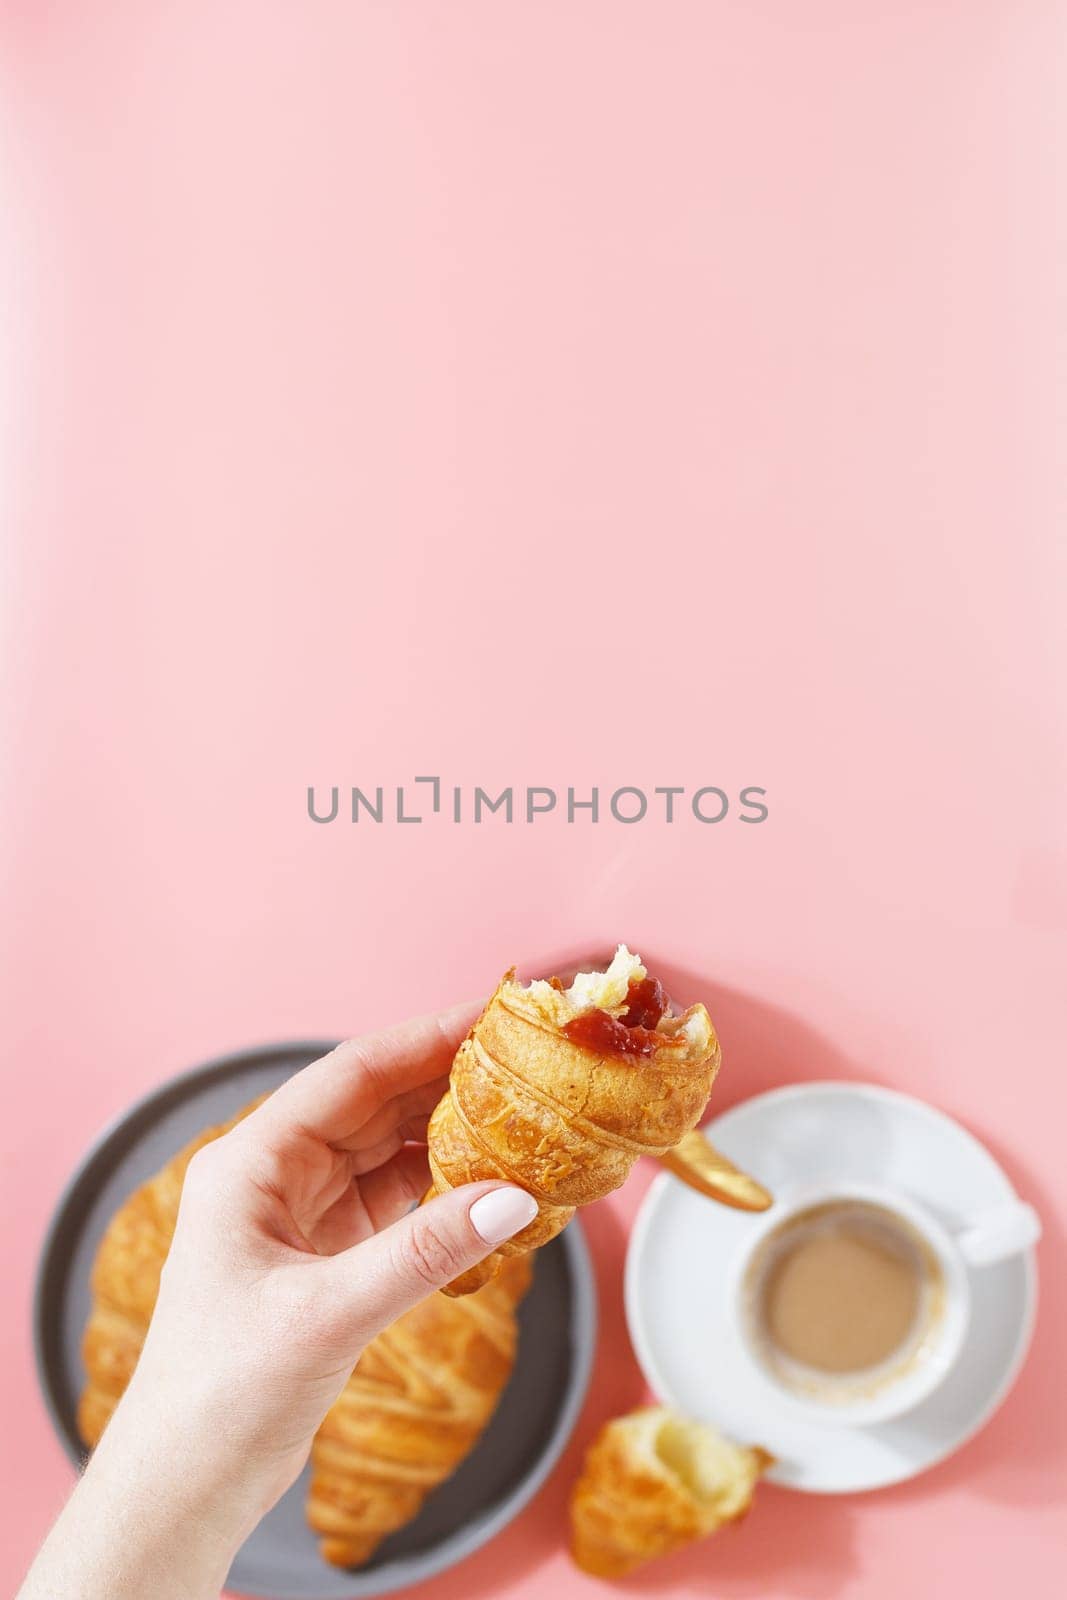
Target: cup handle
999 1232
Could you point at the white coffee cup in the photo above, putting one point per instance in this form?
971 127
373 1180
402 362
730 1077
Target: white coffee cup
946 1256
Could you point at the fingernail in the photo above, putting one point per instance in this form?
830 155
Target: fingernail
502 1213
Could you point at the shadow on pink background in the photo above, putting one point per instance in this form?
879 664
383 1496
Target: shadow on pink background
565 394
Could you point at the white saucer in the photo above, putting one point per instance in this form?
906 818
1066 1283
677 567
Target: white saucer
679 1262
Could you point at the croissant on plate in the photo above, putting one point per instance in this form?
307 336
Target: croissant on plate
651 1482
125 1282
561 1089
418 1400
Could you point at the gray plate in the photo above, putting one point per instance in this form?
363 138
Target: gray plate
281 1560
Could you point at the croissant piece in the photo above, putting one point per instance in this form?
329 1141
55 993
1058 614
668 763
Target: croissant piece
651 1482
418 1401
560 1090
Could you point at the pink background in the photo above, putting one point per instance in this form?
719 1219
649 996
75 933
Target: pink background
545 393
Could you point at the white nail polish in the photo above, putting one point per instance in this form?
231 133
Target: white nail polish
502 1213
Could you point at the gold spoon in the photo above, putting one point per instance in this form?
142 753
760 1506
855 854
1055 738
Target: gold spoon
696 1161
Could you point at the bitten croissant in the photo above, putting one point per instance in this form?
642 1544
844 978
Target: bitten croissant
560 1090
653 1481
418 1401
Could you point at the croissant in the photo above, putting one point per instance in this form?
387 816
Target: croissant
421 1395
560 1090
653 1481
125 1282
415 1405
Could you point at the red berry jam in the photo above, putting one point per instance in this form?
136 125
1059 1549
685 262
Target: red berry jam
632 1034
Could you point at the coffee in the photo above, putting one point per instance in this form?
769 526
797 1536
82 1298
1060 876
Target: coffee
842 1298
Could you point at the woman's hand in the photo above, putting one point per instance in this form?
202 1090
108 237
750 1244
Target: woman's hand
296 1243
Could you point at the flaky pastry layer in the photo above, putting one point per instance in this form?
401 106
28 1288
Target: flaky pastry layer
564 1121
